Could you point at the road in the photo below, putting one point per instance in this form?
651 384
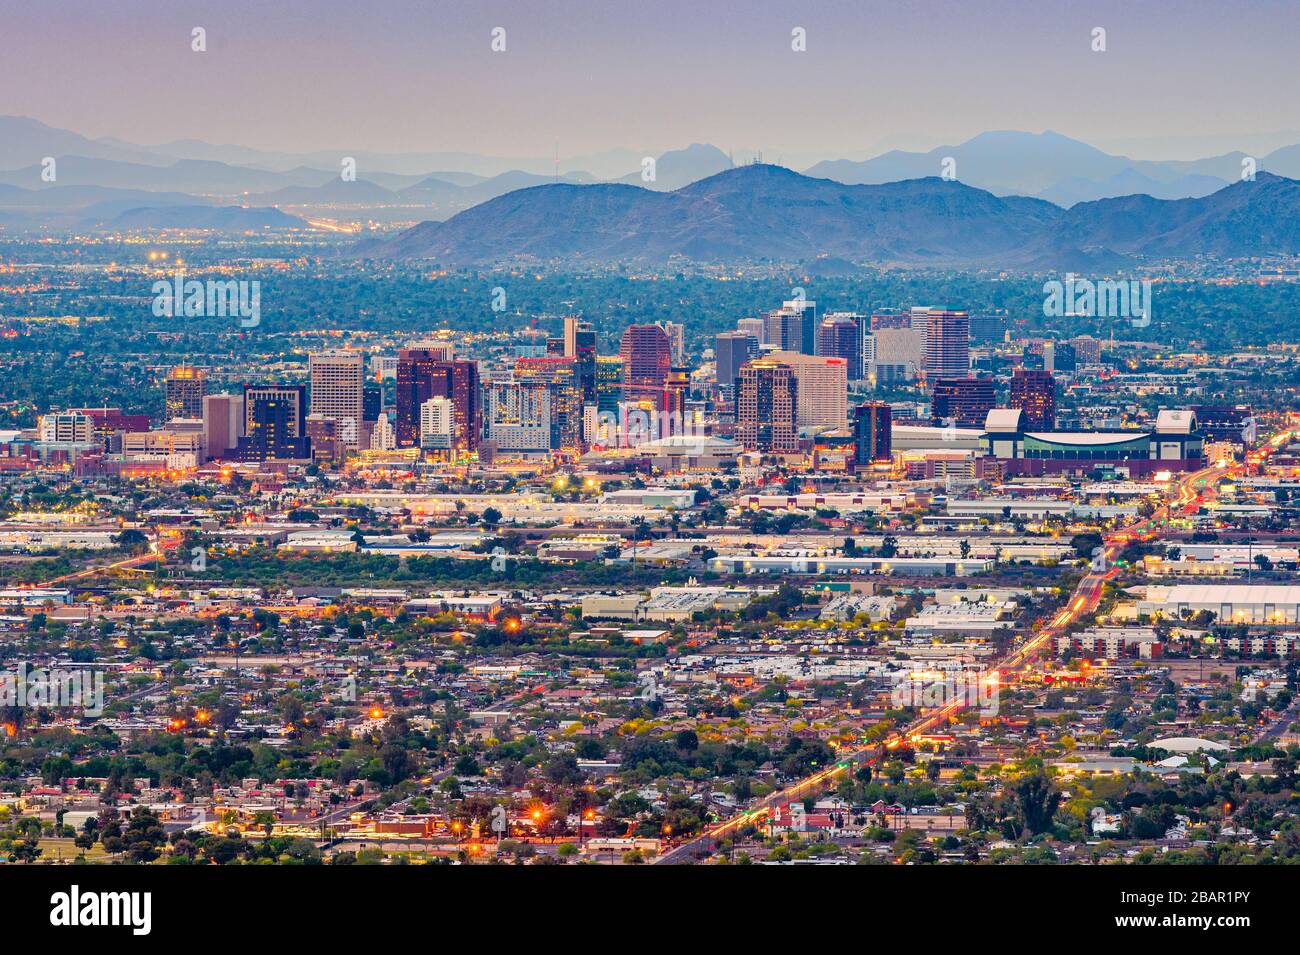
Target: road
1082 602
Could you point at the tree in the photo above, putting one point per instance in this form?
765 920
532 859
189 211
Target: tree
1038 801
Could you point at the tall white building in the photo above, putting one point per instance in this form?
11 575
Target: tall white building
383 437
519 416
336 391
437 423
823 389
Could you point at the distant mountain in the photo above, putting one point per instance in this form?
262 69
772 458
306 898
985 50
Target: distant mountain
334 191
1130 182
1245 219
1046 165
681 167
25 142
768 213
216 218
186 175
754 212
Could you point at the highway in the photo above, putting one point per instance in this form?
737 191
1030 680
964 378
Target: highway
1082 602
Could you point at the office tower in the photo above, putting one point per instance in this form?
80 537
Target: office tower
765 417
676 340
1087 350
421 375
677 389
647 360
223 423
947 344
1034 393
337 390
871 432
609 383
753 326
519 416
437 424
560 375
823 389
964 402
900 353
415 372
185 389
580 345
869 355
840 336
372 402
326 439
985 327
793 327
274 419
383 436
732 349
1060 357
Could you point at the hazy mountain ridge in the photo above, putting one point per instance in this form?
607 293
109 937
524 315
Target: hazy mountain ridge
756 213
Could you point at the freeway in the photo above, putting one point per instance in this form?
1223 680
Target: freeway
1087 594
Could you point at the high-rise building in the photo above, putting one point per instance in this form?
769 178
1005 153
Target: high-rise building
422 375
1087 350
947 344
223 423
900 353
372 402
519 416
647 360
437 424
732 350
1060 357
753 326
185 389
840 336
560 376
580 345
1034 393
986 328
676 340
765 416
327 443
416 368
872 422
823 389
609 383
793 327
337 392
383 436
964 402
274 422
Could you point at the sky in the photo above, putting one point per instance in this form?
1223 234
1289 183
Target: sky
1177 79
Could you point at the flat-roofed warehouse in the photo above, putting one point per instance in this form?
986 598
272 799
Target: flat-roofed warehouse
1230 603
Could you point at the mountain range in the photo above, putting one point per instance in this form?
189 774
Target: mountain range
1018 198
769 213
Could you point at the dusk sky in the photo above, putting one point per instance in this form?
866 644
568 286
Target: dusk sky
1178 80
